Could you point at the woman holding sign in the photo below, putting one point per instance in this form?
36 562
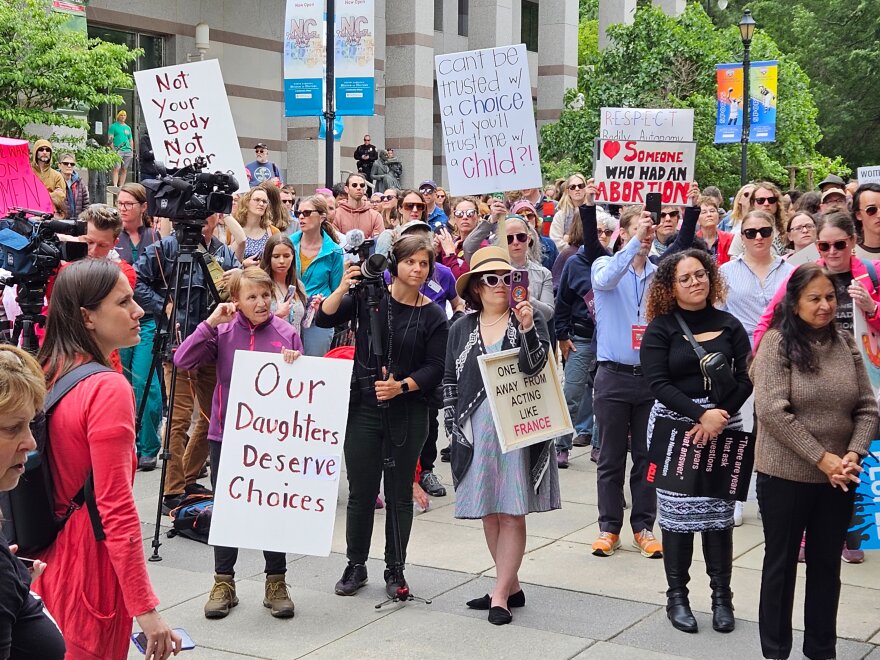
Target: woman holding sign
684 293
498 488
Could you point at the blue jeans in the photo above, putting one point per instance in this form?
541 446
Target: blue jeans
316 341
578 390
136 365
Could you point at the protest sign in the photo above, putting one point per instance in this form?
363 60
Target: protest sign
354 48
864 533
187 113
659 124
763 87
19 186
489 137
526 409
868 342
282 454
721 469
304 58
804 256
627 171
869 174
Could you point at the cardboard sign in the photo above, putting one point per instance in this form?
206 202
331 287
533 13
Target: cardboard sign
721 469
864 533
658 124
627 171
19 186
869 174
526 409
304 58
282 454
489 136
804 255
187 113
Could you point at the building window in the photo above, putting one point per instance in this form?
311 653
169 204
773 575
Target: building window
438 15
463 9
529 25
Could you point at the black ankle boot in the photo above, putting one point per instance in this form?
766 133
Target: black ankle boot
718 553
678 549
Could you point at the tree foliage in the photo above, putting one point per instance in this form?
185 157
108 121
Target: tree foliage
665 62
45 67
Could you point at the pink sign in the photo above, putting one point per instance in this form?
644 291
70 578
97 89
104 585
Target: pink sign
19 186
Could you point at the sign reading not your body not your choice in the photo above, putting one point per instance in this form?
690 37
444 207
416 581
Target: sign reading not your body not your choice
489 137
526 409
626 171
282 454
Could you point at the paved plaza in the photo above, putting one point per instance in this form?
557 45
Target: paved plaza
578 605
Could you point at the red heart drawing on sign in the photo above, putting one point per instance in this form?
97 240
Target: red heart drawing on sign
611 148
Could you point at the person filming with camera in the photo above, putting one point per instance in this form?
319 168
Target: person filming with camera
414 348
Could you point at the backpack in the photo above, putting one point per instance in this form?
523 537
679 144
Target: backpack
32 522
192 518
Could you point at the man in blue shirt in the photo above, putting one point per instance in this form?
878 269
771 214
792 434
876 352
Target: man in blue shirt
435 213
262 169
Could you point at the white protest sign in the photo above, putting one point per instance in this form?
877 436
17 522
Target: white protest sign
627 171
658 124
279 470
489 136
526 409
869 174
187 113
805 255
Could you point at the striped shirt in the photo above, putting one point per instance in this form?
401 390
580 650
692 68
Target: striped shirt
747 297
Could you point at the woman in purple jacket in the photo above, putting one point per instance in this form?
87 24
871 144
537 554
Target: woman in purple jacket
246 323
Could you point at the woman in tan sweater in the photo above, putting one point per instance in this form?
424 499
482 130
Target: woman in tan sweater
816 416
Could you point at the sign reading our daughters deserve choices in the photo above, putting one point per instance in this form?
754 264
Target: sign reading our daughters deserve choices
489 136
626 171
282 454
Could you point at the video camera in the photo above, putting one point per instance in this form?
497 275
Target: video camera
190 195
373 264
30 248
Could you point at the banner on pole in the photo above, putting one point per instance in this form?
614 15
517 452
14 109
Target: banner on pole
763 84
304 58
19 186
627 171
279 470
864 534
489 137
187 113
658 124
869 174
355 47
868 342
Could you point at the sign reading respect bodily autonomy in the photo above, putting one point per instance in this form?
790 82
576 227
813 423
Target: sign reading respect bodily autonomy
19 186
526 409
489 136
626 171
658 124
282 454
187 113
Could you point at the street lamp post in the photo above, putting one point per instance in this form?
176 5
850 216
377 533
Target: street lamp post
746 30
330 83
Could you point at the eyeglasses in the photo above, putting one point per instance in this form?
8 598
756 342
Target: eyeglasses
669 214
257 200
288 202
492 280
607 233
388 198
440 194
577 186
870 211
126 205
43 149
427 191
357 185
68 163
752 234
260 151
807 227
825 246
409 206
528 215
693 278
520 237
302 213
766 200
467 213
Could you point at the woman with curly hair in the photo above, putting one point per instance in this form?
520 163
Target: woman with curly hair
686 288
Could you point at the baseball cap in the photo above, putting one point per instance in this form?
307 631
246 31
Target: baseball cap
831 192
428 184
831 180
414 225
260 145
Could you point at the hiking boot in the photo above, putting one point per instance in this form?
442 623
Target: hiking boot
562 459
197 489
353 578
221 598
147 463
431 485
648 544
606 544
393 585
277 597
582 440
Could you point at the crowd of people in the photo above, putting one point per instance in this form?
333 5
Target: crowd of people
627 300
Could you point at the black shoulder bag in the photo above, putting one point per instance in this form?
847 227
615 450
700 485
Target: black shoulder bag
717 373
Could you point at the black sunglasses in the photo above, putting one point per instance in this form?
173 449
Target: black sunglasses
521 237
668 214
752 234
768 200
577 186
409 206
304 212
357 185
825 246
68 163
388 198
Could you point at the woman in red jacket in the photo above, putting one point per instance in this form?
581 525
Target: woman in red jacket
717 240
96 587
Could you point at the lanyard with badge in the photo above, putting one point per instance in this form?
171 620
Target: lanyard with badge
638 330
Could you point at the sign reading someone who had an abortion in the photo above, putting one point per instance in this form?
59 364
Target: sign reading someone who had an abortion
626 171
282 453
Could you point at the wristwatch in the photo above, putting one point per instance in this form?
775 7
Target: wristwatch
404 387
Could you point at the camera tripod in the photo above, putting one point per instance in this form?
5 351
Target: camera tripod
30 296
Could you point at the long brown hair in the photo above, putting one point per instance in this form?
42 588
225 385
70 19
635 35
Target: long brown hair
321 206
278 215
290 277
241 211
68 343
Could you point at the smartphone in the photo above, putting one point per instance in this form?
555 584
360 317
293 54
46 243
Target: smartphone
653 203
519 287
497 195
140 641
291 290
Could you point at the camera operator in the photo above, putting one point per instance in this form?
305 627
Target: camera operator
155 276
414 352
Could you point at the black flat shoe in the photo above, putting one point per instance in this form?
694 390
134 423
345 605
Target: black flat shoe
498 616
484 603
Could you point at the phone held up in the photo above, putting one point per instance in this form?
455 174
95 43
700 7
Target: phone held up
653 204
187 644
519 287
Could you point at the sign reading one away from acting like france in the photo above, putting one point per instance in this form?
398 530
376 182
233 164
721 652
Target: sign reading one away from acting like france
721 469
869 174
658 124
19 186
282 454
626 171
489 137
187 113
526 409
865 530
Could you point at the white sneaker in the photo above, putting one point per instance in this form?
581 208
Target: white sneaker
738 514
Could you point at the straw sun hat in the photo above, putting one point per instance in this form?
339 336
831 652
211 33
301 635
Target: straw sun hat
485 260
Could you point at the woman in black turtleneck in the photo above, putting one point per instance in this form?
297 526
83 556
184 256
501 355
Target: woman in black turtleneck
688 284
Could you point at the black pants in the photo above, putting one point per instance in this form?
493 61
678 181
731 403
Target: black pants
429 451
788 509
225 558
363 462
622 404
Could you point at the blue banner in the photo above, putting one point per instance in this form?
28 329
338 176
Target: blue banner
338 127
354 54
864 533
761 106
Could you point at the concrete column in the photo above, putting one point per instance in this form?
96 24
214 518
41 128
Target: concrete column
612 12
491 24
672 7
557 56
409 90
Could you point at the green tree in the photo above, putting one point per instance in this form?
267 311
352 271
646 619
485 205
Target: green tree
45 67
665 62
